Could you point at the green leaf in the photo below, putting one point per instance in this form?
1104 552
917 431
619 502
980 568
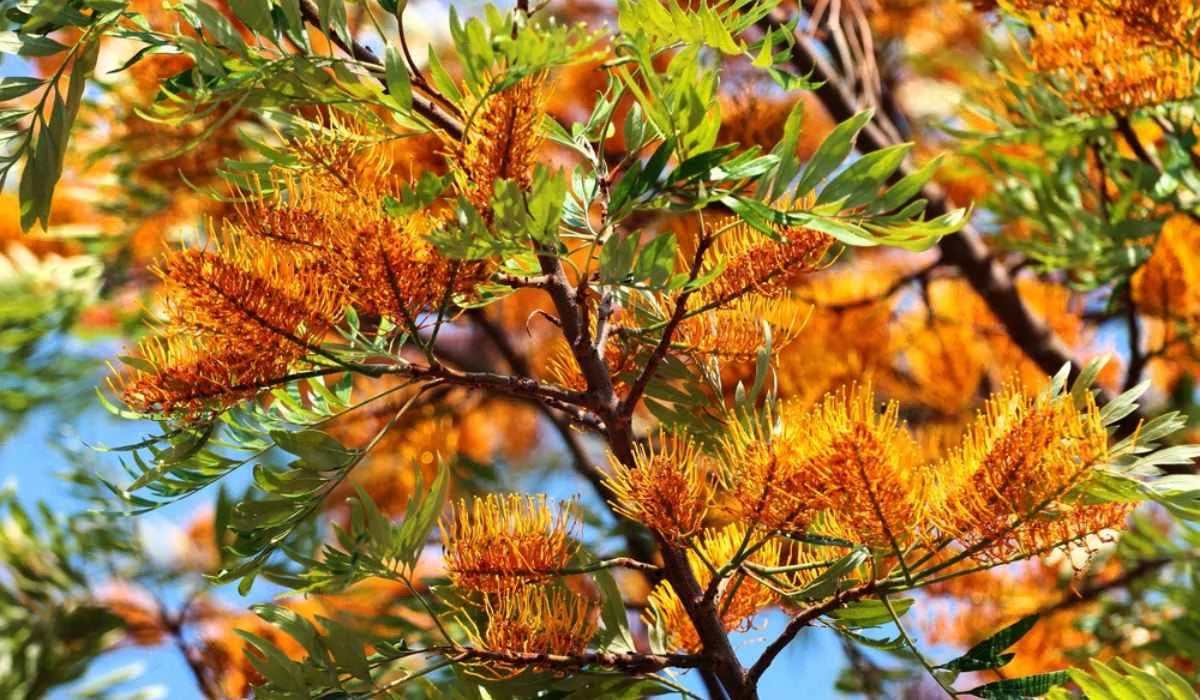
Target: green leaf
833 578
860 182
615 637
988 653
1128 682
279 670
317 450
399 83
295 625
14 87
420 517
29 44
832 152
1017 688
347 649
617 256
656 261
900 193
218 26
545 203
774 183
869 613
255 14
332 16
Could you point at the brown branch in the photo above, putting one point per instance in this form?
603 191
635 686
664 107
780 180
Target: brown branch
722 661
800 621
966 249
664 343
423 105
1140 570
629 662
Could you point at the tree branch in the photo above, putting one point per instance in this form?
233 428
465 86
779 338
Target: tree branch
423 105
966 249
800 621
1140 570
629 662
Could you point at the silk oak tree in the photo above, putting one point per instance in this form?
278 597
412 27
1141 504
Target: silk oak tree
548 350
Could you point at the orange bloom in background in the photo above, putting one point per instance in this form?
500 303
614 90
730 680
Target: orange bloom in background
145 623
848 325
374 604
1118 58
1168 283
965 610
752 118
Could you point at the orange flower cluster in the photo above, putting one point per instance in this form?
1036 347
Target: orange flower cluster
508 548
668 490
240 314
538 620
237 316
736 331
1116 56
1007 490
749 261
841 456
502 141
500 541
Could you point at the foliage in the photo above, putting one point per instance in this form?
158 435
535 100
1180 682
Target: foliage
403 290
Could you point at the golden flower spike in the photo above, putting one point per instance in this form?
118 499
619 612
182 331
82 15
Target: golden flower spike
752 262
535 619
1017 465
501 541
502 140
668 490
